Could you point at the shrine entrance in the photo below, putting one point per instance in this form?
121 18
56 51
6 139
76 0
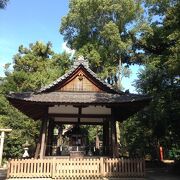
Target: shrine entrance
76 99
73 140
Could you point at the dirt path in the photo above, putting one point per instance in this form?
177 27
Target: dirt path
2 174
160 174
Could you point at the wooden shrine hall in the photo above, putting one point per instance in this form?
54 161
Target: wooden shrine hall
79 97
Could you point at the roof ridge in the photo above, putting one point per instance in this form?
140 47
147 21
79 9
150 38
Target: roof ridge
81 61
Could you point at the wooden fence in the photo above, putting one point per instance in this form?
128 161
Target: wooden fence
75 168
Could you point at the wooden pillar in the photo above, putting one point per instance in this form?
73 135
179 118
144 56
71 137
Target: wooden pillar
106 137
110 149
40 147
43 138
1 146
38 144
114 139
50 137
59 139
114 135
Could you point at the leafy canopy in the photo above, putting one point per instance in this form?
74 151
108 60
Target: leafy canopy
103 32
33 67
3 3
160 79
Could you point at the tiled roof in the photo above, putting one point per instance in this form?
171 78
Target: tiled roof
34 104
77 97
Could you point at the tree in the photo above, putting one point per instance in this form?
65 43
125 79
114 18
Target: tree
3 3
23 129
33 68
103 32
160 78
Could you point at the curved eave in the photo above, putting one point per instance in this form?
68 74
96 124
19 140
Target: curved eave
35 105
32 110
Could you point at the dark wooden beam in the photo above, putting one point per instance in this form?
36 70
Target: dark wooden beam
80 115
80 123
82 106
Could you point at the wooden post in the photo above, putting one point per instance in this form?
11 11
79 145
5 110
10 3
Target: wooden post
114 135
53 168
102 166
1 147
40 149
106 137
38 145
114 139
43 138
2 142
110 148
50 137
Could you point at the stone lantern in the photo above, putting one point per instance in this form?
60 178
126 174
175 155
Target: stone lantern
26 148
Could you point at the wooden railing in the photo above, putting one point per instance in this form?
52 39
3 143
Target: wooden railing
75 168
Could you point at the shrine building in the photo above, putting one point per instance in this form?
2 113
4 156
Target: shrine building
77 98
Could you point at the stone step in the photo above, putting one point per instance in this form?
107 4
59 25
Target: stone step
3 174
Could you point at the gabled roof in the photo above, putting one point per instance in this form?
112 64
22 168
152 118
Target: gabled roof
35 104
80 63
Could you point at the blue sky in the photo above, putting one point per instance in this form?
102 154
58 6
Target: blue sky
26 21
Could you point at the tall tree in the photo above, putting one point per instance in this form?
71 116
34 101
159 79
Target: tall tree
3 3
160 78
103 32
33 68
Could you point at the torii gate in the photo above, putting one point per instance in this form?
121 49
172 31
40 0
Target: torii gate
3 131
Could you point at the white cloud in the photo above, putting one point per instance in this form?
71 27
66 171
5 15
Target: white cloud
67 49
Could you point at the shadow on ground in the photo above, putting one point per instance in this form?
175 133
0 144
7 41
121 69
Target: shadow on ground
162 171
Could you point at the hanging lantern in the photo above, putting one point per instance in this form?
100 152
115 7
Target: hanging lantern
56 131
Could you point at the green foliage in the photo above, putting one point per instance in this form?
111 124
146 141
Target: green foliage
3 3
33 67
174 153
137 136
110 33
160 79
93 130
103 31
23 129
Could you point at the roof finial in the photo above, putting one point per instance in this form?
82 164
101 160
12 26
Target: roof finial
81 60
